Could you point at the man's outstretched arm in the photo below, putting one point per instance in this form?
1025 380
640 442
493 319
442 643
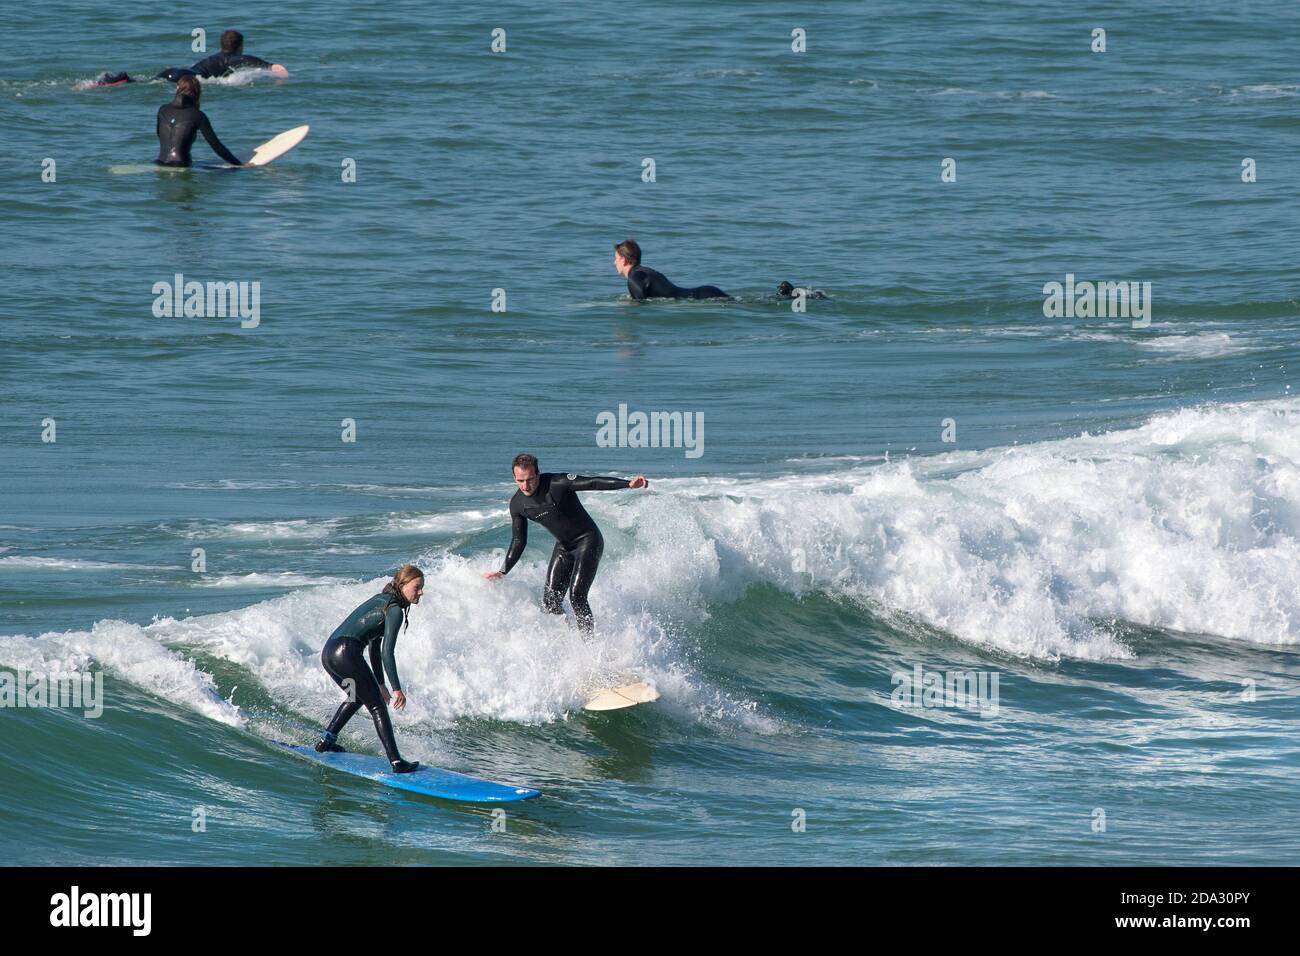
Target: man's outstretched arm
584 483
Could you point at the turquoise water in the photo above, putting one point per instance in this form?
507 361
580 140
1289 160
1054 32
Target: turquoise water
1113 533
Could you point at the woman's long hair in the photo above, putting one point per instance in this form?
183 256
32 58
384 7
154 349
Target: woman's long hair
404 576
188 90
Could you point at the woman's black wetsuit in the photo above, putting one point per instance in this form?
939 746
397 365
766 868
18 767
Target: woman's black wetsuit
578 543
646 283
179 122
375 624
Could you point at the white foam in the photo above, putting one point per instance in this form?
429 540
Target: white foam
1198 346
235 484
32 562
1268 89
1190 522
126 652
242 77
274 579
289 529
456 522
997 94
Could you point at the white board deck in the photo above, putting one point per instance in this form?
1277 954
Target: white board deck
625 695
276 147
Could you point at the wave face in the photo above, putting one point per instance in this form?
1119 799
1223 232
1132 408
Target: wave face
1189 523
1116 584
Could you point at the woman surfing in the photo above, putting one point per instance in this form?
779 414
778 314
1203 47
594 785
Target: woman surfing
375 624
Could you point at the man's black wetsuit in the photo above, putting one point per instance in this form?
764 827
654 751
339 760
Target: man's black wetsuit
787 291
375 624
646 283
178 123
219 64
111 79
578 544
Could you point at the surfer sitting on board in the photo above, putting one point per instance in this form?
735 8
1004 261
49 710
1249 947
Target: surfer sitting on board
552 501
180 121
374 624
646 283
230 59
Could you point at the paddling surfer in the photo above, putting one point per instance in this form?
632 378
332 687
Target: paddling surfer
646 283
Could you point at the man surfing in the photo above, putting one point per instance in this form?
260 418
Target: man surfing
227 61
646 283
231 58
552 501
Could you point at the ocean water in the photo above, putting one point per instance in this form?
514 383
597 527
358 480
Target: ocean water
1099 515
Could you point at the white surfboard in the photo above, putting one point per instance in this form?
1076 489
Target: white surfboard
276 147
625 695
128 168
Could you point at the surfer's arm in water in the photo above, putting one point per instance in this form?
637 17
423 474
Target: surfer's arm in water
206 129
646 283
243 61
223 64
211 66
638 285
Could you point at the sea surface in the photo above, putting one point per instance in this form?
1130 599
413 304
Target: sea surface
923 475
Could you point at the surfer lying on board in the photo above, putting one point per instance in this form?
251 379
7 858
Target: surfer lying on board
230 59
375 624
646 283
552 501
180 121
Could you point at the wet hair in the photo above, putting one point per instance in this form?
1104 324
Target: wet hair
188 89
785 289
630 251
525 461
232 41
404 576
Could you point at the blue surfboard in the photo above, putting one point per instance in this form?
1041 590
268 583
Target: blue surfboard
432 782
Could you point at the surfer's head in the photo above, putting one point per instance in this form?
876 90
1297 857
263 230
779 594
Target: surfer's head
627 256
524 468
785 290
188 89
232 42
407 585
